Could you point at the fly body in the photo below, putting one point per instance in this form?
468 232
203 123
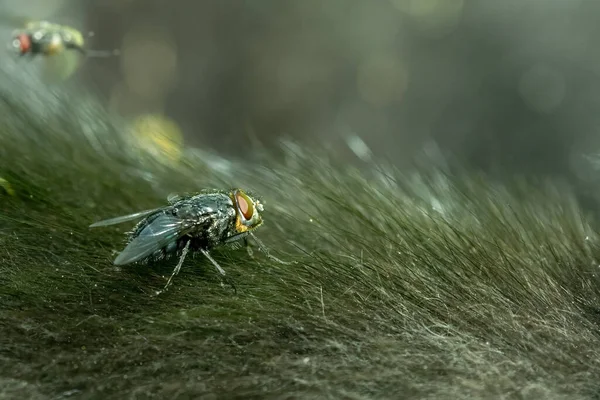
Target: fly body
205 221
191 223
48 39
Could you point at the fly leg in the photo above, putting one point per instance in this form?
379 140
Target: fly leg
218 267
265 250
248 248
212 260
177 267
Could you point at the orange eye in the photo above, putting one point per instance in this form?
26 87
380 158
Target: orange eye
244 205
24 43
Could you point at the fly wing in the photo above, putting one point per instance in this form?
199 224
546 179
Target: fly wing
123 218
173 198
157 234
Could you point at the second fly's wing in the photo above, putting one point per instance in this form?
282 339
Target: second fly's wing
163 230
123 218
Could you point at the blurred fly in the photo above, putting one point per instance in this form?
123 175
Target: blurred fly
199 222
48 39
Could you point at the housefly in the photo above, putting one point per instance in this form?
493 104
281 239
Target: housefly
49 39
199 222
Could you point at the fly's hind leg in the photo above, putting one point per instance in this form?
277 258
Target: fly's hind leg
218 267
184 253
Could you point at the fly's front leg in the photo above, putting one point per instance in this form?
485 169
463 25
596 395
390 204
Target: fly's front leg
265 250
248 247
242 237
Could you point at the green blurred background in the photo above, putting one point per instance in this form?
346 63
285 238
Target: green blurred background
509 83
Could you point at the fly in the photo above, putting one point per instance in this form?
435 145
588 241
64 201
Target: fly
199 222
48 39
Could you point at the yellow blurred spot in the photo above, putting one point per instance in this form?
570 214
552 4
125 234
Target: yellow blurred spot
381 79
159 136
7 187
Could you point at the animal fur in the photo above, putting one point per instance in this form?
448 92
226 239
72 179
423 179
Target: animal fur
425 285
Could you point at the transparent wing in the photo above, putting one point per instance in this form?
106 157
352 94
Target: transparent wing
123 218
157 234
173 198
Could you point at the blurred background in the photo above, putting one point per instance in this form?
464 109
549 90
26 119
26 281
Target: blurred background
512 84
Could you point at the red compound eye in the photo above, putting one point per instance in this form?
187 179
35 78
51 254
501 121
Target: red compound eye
24 43
244 205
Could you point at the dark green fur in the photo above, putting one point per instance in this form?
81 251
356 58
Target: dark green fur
496 294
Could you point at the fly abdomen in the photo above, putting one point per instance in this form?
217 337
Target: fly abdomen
151 237
171 249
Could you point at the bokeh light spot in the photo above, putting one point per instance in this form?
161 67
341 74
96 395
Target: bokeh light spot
159 136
